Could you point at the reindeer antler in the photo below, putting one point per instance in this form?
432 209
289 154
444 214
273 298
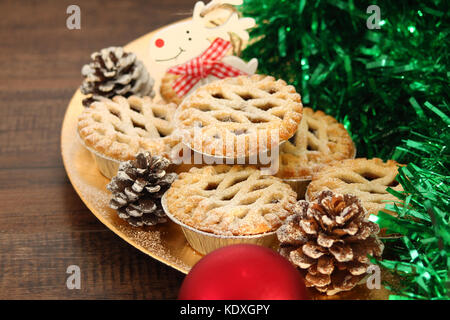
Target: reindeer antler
232 25
197 14
217 3
235 25
200 9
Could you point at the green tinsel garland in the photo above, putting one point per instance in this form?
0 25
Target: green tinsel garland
422 255
362 77
366 78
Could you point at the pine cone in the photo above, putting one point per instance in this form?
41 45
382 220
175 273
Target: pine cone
330 240
138 187
114 72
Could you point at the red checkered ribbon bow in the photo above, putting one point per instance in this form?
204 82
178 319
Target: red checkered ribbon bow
208 63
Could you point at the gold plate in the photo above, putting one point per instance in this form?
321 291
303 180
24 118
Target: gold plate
165 242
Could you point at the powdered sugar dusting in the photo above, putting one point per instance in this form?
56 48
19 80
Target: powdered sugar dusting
152 241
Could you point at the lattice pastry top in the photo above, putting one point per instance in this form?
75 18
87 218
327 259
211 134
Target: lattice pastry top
230 200
319 140
243 115
366 179
120 128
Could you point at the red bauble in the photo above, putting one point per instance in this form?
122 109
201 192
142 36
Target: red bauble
243 272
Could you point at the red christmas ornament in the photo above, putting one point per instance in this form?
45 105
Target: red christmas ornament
243 272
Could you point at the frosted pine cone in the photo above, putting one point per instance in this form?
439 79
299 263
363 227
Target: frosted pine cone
330 239
115 72
138 187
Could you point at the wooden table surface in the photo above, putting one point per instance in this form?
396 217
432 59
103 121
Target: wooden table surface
44 226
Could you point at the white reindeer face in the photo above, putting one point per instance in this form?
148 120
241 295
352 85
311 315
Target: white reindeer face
178 44
186 40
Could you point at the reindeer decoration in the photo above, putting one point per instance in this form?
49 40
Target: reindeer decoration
184 41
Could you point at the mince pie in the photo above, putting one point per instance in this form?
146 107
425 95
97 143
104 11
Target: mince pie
122 127
366 179
319 140
230 200
116 130
241 116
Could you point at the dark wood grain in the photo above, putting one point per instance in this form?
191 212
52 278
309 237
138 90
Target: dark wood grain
44 226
